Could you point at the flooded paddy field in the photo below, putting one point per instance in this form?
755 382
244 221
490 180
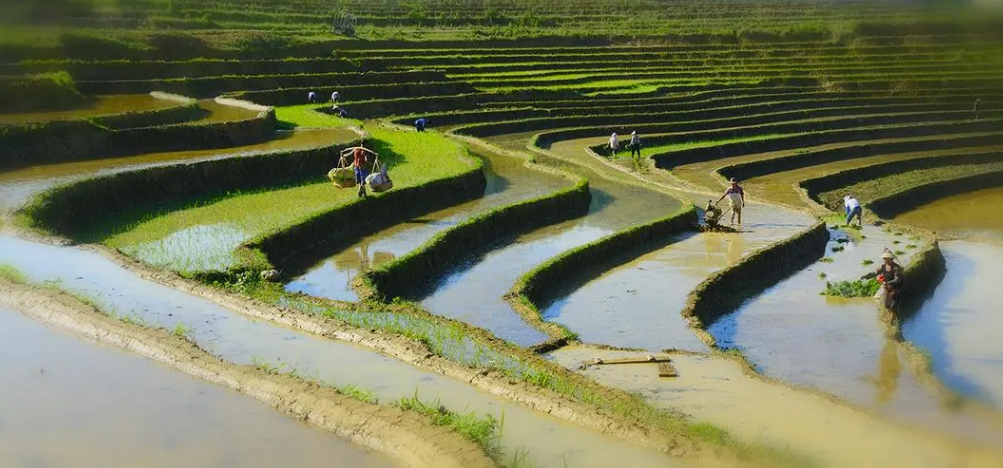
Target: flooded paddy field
474 291
974 215
507 181
71 403
95 106
550 442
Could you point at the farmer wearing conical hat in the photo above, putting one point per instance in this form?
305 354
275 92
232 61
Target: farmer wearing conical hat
890 275
736 196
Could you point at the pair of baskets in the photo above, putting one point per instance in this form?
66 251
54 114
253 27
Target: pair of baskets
343 176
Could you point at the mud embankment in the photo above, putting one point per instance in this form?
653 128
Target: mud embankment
404 436
423 266
78 140
295 247
540 285
905 200
725 290
74 209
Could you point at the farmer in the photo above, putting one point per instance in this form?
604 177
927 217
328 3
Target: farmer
635 145
736 196
614 144
890 275
853 209
311 97
340 112
362 165
334 99
419 124
977 110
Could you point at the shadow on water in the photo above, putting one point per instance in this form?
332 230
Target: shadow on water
928 328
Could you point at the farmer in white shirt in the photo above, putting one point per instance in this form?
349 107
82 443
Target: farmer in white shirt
311 97
334 99
853 210
614 144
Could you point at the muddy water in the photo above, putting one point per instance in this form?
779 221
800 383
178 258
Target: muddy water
17 186
69 403
960 324
551 442
637 305
473 291
221 113
973 215
840 346
100 105
508 181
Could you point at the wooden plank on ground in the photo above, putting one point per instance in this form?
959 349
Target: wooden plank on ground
630 360
667 370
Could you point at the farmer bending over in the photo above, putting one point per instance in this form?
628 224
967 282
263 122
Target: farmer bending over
362 164
736 196
614 144
419 124
853 210
635 145
334 99
311 97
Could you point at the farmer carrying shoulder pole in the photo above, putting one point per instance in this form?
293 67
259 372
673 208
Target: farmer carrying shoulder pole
614 144
853 210
362 163
635 145
736 196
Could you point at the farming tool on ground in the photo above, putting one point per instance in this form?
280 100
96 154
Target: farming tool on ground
713 216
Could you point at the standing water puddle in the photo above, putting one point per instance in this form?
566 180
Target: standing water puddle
638 304
473 292
508 181
68 403
838 345
235 338
99 105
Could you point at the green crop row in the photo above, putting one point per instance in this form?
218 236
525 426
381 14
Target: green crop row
537 287
350 94
152 69
215 85
78 140
425 264
47 91
748 170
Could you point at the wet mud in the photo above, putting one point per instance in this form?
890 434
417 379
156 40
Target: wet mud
508 181
638 305
474 291
99 105
718 390
973 215
70 403
550 442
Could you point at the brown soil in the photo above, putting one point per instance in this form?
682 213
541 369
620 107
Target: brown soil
404 436
721 392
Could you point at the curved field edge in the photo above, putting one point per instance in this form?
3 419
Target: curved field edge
537 286
406 332
408 437
78 140
430 261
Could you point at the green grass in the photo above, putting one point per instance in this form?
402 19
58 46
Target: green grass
856 288
12 274
305 116
482 430
203 236
877 188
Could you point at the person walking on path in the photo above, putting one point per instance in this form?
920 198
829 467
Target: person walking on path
736 196
361 161
635 145
614 145
311 97
419 124
334 99
853 210
977 109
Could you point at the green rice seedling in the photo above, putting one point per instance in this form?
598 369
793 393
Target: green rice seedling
359 394
12 274
822 275
826 260
911 246
132 319
837 249
484 431
899 252
867 262
857 288
896 242
182 331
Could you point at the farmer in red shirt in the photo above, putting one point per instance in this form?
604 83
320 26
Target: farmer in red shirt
362 163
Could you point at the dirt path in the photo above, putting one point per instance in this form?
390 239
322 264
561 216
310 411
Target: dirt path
717 390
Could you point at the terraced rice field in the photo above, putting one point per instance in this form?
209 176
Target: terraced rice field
163 192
